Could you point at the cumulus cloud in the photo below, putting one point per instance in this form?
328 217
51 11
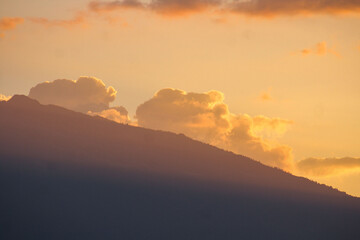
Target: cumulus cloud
4 98
205 117
327 166
195 114
267 8
8 23
320 49
83 95
116 114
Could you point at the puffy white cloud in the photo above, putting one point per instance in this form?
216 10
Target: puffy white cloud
83 95
205 117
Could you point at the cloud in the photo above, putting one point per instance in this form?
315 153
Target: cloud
320 49
294 7
83 95
79 19
265 97
165 7
258 8
9 23
204 116
4 98
327 166
245 138
98 6
270 126
116 114
263 8
177 7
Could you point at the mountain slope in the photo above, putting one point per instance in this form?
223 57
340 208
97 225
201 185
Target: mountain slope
68 175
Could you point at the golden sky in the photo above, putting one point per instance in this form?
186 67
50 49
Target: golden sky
286 73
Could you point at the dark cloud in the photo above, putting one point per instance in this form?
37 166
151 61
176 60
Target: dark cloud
265 8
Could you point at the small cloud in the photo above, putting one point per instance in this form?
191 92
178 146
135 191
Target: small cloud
306 51
116 114
266 96
4 98
327 166
320 49
9 23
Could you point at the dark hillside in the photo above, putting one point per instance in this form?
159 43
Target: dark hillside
66 175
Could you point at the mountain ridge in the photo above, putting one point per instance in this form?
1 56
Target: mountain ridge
65 165
21 101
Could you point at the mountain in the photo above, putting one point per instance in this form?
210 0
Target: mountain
67 175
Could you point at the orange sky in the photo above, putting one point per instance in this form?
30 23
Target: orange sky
288 61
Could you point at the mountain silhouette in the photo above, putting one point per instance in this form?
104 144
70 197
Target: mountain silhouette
67 175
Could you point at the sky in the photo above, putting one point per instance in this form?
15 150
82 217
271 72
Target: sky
276 80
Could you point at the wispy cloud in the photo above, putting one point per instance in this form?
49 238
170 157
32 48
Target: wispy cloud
98 6
320 49
79 19
294 7
327 166
266 96
9 23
